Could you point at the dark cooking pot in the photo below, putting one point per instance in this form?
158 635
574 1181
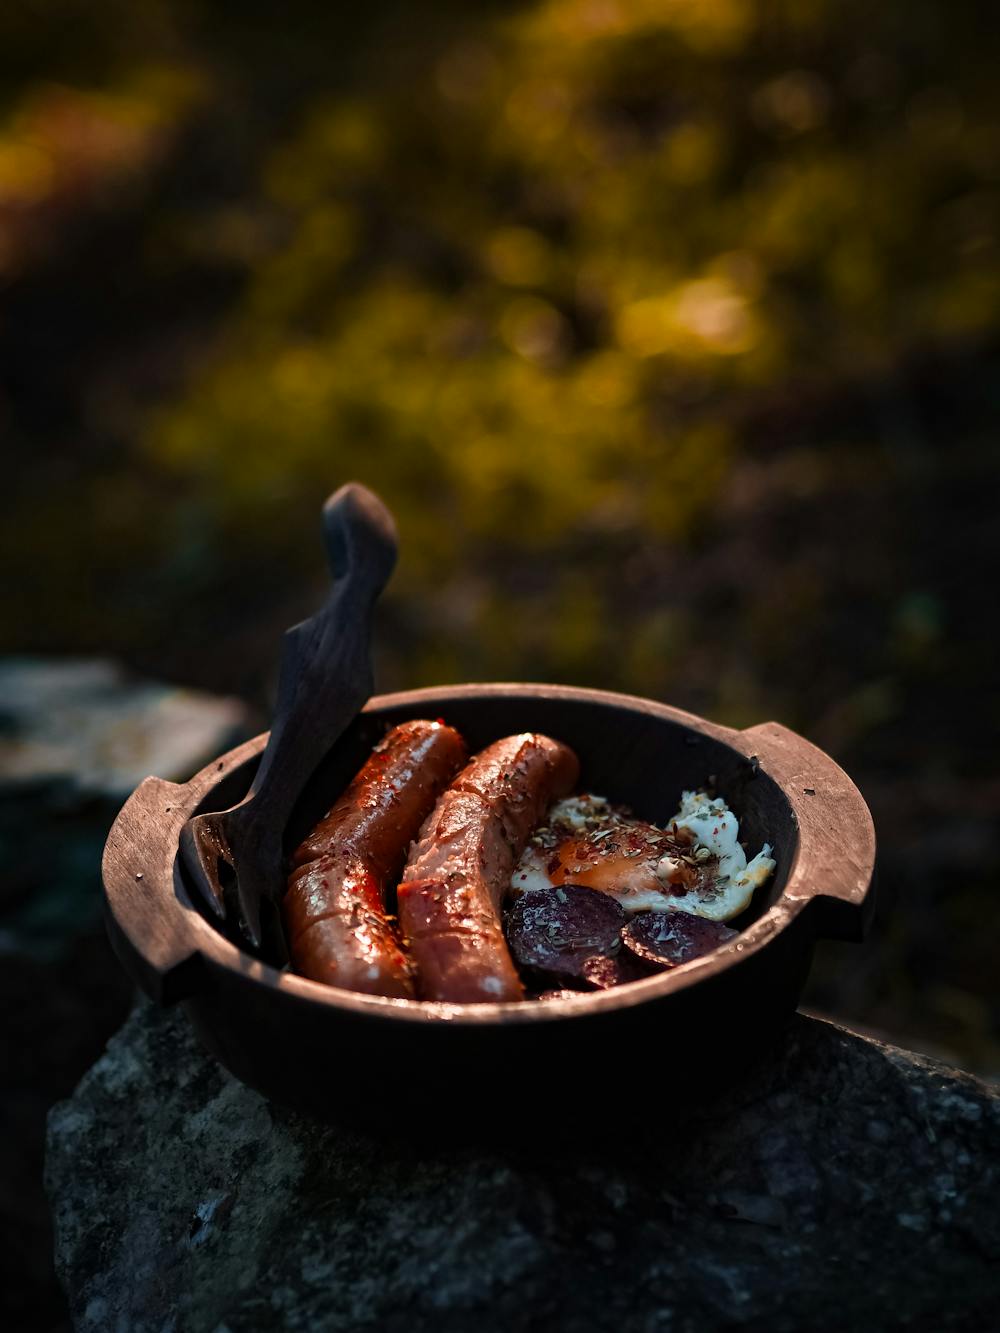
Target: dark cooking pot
340 1053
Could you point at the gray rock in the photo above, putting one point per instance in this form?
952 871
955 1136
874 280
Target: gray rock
81 725
76 736
845 1184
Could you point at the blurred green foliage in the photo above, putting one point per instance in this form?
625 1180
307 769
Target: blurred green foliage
527 273
527 292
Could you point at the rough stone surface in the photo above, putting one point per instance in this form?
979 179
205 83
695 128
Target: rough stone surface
80 724
846 1184
76 735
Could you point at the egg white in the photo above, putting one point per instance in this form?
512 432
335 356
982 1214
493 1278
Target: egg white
711 824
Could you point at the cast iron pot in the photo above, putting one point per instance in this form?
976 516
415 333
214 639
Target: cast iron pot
345 1055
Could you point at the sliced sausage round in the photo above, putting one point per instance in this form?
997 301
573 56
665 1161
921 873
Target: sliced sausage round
558 930
667 939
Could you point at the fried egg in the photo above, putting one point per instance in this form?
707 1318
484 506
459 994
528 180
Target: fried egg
695 864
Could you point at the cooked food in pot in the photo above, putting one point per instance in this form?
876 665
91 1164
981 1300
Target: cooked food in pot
694 864
511 888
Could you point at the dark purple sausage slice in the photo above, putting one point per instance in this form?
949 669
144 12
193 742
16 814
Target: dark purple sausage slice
558 930
602 972
667 939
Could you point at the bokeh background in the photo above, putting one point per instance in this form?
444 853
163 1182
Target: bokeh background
667 328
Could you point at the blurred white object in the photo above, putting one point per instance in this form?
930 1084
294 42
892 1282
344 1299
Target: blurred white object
82 724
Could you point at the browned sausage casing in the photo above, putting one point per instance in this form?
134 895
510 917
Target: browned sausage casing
334 908
458 873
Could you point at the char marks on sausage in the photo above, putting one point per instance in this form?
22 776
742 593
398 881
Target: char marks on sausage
457 874
335 914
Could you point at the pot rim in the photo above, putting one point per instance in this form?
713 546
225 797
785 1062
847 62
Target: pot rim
167 944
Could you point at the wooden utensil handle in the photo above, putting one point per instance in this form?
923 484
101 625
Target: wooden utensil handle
360 537
326 673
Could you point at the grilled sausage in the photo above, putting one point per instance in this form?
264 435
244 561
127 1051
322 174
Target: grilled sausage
334 908
457 874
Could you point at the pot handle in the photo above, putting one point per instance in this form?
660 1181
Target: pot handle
833 872
158 934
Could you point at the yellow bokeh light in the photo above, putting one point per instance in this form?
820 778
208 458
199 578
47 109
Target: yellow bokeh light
535 330
704 316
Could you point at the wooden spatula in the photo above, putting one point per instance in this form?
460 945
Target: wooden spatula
236 855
